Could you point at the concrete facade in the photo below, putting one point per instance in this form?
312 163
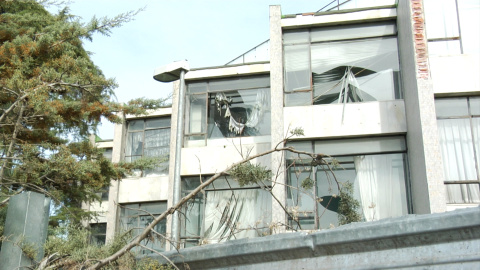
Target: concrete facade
410 118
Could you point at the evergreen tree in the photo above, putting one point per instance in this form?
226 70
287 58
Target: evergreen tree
52 97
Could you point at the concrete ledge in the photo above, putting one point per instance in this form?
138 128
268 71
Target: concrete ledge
442 240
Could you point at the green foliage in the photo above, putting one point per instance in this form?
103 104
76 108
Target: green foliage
148 263
247 173
307 183
348 209
72 244
50 90
298 131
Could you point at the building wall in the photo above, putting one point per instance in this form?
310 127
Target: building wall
414 117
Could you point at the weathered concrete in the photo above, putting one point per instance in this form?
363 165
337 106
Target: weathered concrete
425 159
448 240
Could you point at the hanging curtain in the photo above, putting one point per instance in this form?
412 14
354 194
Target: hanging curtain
380 179
253 117
233 214
458 157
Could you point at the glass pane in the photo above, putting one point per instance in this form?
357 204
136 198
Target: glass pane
297 68
360 146
305 146
197 87
380 185
134 144
463 193
235 214
444 47
192 225
354 31
299 198
197 111
158 122
240 83
476 141
239 113
474 105
457 149
441 18
470 25
448 107
135 125
355 71
295 37
157 138
298 99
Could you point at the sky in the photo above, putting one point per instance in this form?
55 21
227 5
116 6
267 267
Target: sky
204 32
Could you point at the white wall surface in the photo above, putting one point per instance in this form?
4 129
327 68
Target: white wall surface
368 118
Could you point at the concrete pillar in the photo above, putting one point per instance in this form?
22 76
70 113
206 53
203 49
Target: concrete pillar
277 129
26 224
171 168
425 160
117 156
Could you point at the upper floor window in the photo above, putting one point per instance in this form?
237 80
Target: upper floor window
149 138
340 64
227 108
453 26
459 130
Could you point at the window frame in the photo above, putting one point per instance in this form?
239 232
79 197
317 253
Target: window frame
205 90
314 215
390 32
470 115
189 239
139 207
133 157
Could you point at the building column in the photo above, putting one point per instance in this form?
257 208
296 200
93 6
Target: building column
425 160
112 214
276 89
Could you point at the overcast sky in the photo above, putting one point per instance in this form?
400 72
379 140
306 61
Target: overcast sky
204 32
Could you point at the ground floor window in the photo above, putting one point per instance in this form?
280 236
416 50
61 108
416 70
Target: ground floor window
134 217
370 173
99 232
224 211
458 121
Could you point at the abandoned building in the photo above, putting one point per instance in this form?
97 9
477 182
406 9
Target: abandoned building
389 90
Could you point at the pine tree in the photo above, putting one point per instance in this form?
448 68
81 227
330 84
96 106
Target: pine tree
52 97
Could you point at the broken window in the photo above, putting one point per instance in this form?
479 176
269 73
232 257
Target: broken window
227 109
224 211
375 169
353 63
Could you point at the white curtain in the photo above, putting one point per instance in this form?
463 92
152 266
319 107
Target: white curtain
458 157
381 183
235 214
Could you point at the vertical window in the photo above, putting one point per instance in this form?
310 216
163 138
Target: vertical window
374 169
458 122
453 26
225 211
137 216
353 63
99 232
227 108
149 138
